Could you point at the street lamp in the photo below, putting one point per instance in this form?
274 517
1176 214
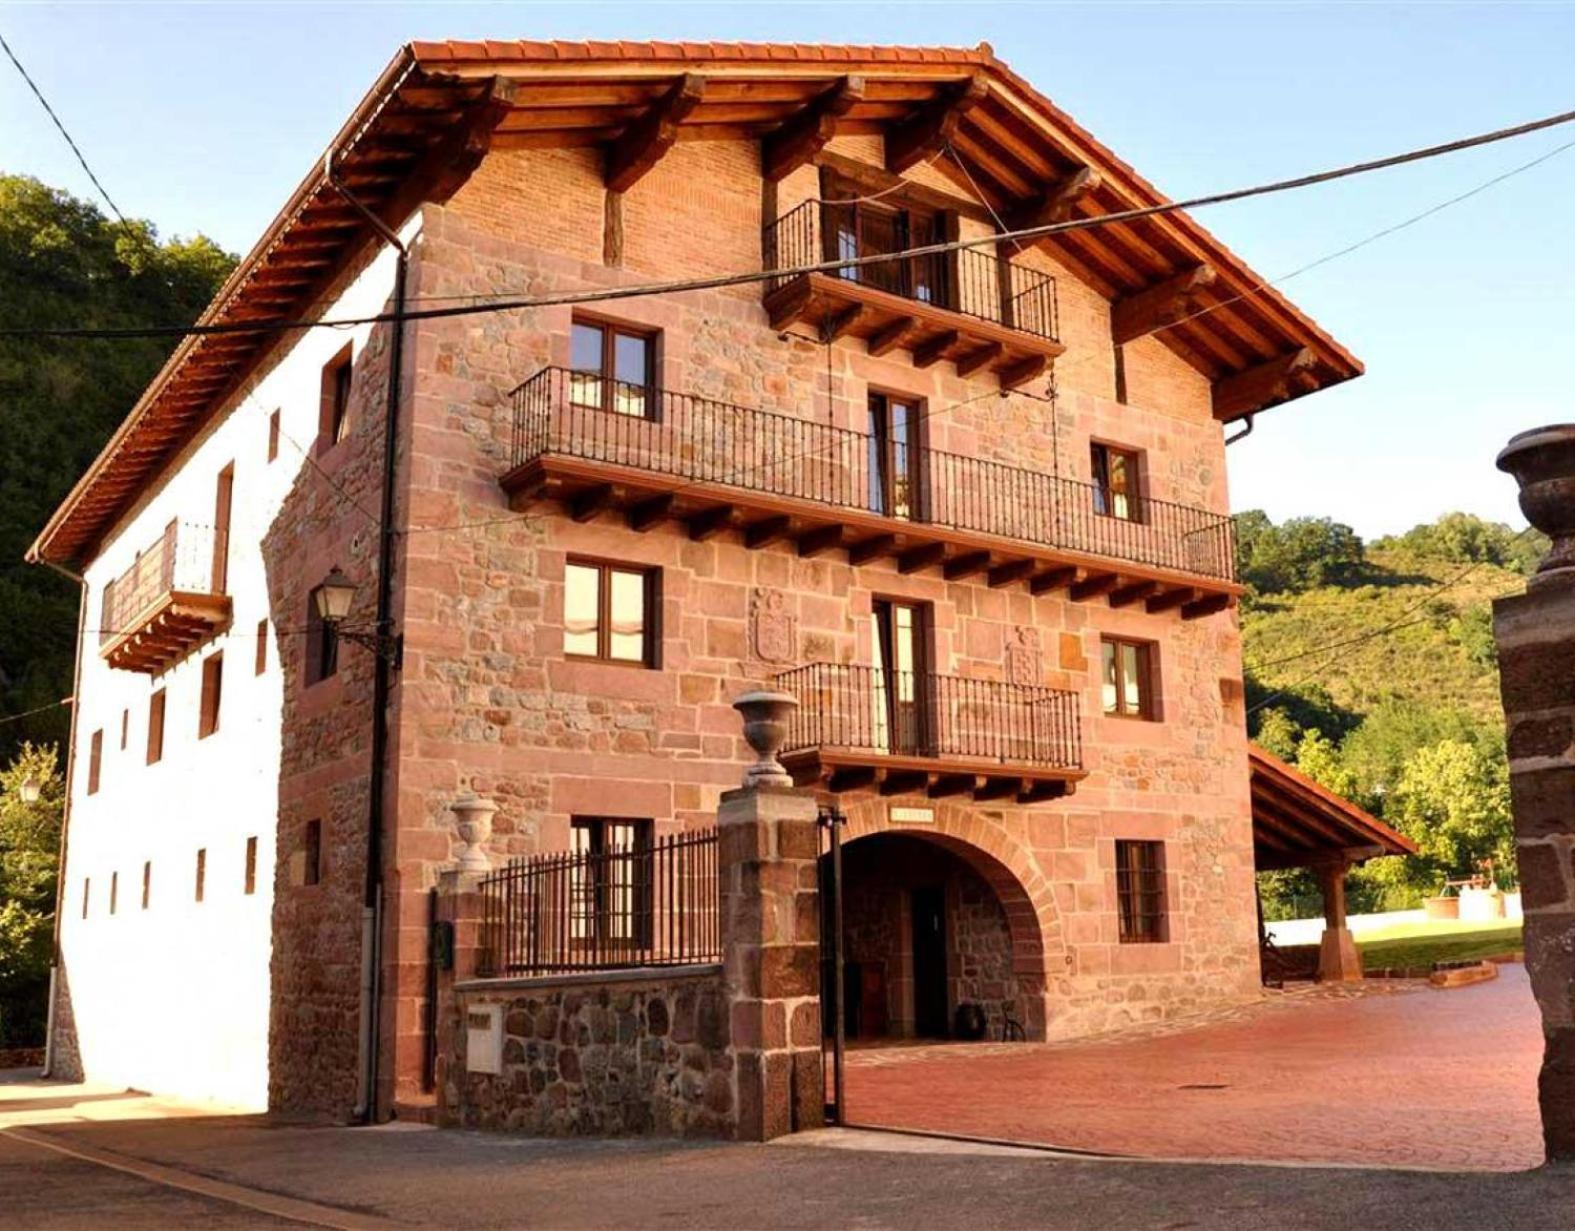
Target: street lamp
333 596
30 789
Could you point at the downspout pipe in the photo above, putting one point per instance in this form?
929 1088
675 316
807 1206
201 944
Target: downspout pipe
366 1111
65 817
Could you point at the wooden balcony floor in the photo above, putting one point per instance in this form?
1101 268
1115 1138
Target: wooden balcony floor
166 631
841 307
644 499
941 777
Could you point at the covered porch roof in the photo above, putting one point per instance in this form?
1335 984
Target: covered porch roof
1296 823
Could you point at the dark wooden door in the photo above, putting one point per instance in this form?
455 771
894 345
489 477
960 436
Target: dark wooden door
929 963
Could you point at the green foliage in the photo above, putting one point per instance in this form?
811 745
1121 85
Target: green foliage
1296 555
1462 538
62 263
29 844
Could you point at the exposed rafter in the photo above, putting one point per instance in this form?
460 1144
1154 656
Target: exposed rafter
916 139
642 144
1139 314
807 133
1056 202
1254 388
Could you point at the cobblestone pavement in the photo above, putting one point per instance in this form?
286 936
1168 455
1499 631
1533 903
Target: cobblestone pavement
1387 1073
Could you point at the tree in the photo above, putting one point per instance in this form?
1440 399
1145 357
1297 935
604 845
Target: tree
1467 539
29 845
62 263
1297 555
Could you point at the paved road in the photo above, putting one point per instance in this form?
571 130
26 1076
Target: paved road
1413 1077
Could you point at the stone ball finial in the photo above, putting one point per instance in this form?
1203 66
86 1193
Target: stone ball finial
766 716
1543 463
473 818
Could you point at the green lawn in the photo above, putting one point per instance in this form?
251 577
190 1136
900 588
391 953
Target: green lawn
1422 944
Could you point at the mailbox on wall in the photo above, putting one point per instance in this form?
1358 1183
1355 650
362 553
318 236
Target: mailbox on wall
484 1039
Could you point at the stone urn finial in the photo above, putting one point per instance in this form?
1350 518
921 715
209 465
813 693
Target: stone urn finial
766 716
473 817
1543 463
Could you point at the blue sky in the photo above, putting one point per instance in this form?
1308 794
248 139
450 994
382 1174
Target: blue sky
203 117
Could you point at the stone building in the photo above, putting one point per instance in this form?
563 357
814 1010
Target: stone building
967 505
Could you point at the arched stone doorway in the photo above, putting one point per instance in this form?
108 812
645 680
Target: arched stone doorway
931 922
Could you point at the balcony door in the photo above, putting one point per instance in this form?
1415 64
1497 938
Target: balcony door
896 486
902 653
855 226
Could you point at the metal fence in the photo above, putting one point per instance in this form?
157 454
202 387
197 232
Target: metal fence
186 558
702 440
650 903
925 714
968 281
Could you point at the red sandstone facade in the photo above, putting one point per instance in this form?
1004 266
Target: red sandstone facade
1012 854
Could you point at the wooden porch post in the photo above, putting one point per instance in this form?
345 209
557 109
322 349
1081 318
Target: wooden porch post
1338 959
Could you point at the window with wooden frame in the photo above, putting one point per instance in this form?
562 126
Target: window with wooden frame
857 227
613 367
87 893
1140 892
156 727
223 496
611 612
95 760
312 853
896 456
147 883
212 689
250 886
114 892
610 888
333 417
125 728
273 435
1128 687
322 644
201 887
260 661
1117 474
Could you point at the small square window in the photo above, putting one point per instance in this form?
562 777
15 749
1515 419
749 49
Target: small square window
322 644
1127 686
156 727
610 612
312 850
612 368
95 761
1116 487
1140 892
333 423
212 689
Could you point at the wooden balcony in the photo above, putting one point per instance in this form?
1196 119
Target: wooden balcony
650 456
920 733
980 312
168 603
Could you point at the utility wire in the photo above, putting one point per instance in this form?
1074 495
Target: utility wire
44 102
53 705
754 276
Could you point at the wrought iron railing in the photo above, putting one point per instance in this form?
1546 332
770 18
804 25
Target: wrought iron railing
646 904
968 281
923 714
701 440
186 558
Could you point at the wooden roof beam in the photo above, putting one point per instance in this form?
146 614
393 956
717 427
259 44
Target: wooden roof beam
806 134
1252 389
926 133
453 162
1055 203
1143 312
642 144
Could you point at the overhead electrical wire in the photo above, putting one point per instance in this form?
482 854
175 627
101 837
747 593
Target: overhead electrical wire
722 281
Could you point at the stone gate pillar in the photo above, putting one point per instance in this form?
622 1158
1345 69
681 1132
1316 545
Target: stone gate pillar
1339 961
1535 632
770 915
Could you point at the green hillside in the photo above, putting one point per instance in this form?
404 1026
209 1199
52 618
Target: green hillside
1372 668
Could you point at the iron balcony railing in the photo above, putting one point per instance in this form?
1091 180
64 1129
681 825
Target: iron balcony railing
650 903
923 714
968 281
186 558
696 439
